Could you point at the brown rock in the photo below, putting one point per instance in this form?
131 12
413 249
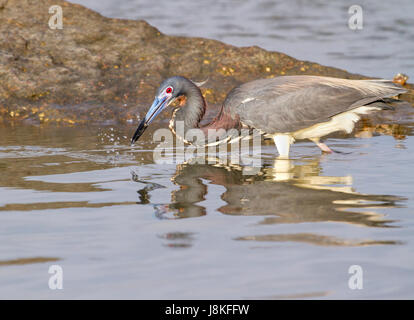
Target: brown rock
98 69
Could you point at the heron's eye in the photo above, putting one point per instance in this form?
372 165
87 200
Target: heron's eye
169 90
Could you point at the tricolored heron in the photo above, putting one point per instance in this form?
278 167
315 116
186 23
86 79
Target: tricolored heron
287 108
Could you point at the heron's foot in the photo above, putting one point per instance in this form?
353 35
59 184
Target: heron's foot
324 148
341 152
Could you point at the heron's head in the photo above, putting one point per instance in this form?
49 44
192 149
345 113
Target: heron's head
167 92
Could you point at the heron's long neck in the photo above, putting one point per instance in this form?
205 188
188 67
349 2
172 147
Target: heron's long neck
193 110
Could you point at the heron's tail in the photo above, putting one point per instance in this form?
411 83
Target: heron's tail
382 88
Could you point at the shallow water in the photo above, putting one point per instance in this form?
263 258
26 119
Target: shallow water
122 226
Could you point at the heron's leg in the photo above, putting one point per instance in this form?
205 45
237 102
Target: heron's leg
321 145
283 142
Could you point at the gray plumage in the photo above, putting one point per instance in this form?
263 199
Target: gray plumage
286 108
291 103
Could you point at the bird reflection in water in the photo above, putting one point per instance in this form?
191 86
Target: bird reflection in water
283 192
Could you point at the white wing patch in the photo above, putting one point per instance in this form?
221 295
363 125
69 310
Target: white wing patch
248 100
342 122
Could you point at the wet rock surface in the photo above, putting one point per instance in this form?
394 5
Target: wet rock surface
102 70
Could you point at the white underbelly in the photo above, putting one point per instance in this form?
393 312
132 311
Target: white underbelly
342 122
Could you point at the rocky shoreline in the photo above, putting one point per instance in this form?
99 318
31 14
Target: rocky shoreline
102 70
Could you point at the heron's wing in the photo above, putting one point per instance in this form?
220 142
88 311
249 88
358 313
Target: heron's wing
291 103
